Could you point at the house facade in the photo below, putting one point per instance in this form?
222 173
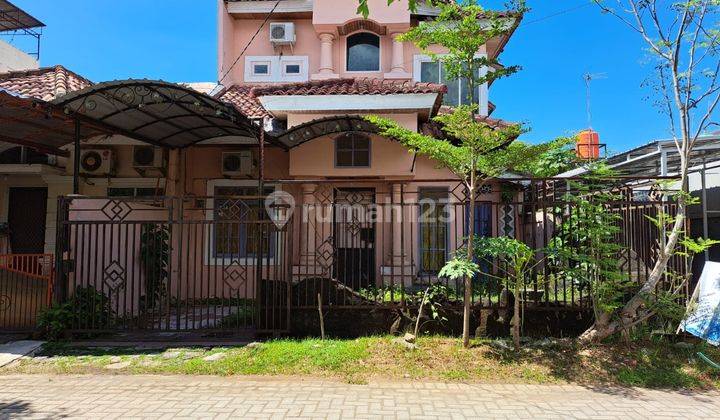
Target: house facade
357 209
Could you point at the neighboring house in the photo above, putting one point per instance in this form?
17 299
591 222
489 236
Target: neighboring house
659 158
18 27
31 181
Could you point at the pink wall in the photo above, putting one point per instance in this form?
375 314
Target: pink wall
334 12
235 31
226 38
203 163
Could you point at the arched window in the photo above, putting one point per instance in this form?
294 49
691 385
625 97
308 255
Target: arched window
363 52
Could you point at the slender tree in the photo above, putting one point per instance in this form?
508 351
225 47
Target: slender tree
478 154
454 39
682 38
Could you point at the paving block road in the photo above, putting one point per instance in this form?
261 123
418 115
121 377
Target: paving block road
155 397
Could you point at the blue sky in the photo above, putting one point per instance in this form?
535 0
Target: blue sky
176 41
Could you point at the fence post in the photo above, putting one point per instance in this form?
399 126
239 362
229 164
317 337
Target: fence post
61 246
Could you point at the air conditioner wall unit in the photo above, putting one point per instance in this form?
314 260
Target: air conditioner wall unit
240 163
148 157
98 162
282 33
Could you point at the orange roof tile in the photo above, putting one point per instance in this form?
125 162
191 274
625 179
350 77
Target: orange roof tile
46 83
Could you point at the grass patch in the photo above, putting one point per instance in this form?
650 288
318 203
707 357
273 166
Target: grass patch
647 364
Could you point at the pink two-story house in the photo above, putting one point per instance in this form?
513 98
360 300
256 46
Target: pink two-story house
362 212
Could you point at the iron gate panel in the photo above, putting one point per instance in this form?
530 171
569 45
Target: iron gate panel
210 264
26 282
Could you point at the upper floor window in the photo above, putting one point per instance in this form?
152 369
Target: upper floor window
363 52
261 68
352 150
276 68
458 89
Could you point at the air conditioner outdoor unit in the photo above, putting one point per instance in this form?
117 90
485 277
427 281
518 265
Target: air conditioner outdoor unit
96 161
282 33
238 163
148 157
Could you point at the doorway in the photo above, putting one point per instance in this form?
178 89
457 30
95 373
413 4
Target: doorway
354 231
26 220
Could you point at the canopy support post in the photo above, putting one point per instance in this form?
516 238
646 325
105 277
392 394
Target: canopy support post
261 288
262 160
76 158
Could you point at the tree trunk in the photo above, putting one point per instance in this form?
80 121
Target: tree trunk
516 315
471 229
468 279
420 311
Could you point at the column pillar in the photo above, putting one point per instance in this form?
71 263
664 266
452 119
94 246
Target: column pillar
327 69
398 269
397 70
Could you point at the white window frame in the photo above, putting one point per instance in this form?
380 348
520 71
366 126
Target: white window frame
483 93
380 53
208 252
261 63
276 68
130 183
285 64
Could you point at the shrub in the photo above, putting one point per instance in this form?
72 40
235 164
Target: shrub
86 308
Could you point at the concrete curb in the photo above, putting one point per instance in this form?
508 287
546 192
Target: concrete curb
14 350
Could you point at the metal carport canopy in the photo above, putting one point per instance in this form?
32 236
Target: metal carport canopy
156 112
34 123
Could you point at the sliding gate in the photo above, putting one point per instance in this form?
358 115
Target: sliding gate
208 264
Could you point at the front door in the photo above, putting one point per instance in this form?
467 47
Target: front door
26 220
355 237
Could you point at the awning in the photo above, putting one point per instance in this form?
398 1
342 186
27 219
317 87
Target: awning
658 159
325 126
156 112
33 123
13 18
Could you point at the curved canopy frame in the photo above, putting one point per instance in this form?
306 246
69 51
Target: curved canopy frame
325 126
156 112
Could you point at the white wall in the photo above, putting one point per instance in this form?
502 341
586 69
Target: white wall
12 59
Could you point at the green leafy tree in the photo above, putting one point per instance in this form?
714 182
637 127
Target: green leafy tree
584 248
683 40
556 161
482 154
515 261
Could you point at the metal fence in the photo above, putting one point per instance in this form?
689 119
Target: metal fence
172 264
230 263
26 284
384 244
